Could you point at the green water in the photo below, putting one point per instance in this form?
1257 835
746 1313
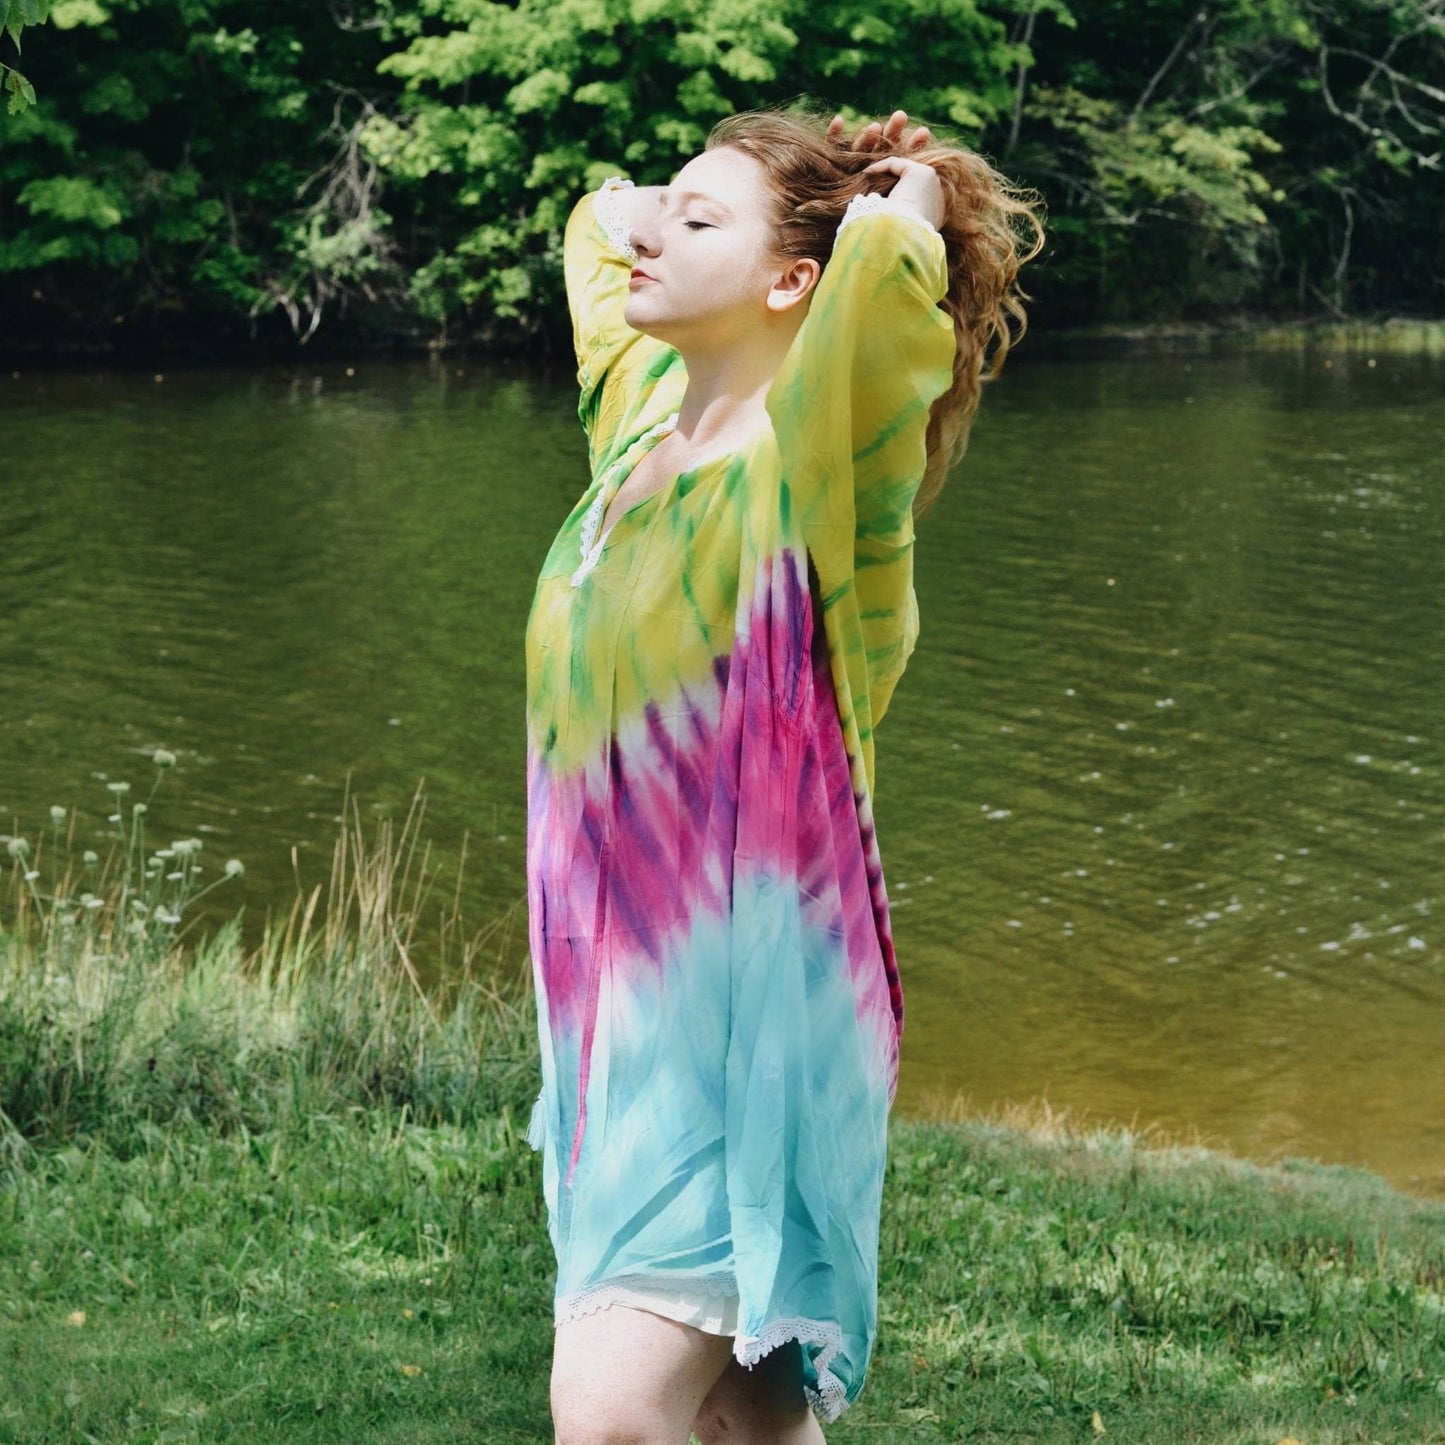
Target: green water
1161 798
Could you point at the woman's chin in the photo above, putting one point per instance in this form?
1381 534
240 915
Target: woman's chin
644 318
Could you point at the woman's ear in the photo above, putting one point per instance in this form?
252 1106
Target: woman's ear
794 284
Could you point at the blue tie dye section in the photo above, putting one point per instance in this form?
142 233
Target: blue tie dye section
718 1001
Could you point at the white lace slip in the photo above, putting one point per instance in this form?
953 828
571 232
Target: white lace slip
828 1398
610 215
592 544
627 1288
870 203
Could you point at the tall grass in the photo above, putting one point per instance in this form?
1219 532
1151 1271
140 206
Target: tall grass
115 1011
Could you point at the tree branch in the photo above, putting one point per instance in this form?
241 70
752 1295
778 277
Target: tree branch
1238 93
1197 21
1019 79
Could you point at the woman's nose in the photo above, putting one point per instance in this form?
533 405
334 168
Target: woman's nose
643 240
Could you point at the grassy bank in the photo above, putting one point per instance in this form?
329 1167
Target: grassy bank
285 1196
1405 337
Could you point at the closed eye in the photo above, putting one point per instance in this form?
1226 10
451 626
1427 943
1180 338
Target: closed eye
698 225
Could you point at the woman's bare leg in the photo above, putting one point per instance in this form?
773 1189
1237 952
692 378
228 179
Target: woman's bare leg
764 1405
626 1377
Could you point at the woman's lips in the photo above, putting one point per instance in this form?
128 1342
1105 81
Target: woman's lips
639 274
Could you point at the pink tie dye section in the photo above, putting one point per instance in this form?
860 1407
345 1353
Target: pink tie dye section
748 767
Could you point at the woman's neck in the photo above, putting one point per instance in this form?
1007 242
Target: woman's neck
727 391
709 419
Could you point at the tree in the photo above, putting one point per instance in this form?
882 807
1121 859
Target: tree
508 111
186 164
405 167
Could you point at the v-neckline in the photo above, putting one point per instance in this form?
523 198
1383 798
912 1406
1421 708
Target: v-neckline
655 437
595 537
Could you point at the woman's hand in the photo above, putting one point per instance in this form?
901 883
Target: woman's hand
917 188
876 135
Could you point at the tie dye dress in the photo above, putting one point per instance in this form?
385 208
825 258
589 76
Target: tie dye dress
718 1003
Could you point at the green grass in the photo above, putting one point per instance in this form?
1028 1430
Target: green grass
285 1196
1032 1280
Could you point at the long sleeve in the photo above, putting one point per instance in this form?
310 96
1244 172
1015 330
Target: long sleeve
719 1002
850 409
620 372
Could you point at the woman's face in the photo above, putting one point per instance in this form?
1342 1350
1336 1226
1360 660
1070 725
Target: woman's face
705 264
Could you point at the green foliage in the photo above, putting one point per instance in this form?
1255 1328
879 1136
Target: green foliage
408 169
558 94
184 159
1176 196
15 15
1212 157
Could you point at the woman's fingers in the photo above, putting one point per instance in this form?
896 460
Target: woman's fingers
894 126
880 135
898 165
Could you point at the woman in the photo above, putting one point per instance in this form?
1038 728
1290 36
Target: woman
779 353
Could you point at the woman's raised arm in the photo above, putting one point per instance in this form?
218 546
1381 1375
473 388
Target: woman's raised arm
850 408
597 260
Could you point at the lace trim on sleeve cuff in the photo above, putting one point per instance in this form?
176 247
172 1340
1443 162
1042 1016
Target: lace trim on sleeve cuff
610 215
869 203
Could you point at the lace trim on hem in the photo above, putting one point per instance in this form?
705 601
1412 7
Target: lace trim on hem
829 1398
609 215
870 203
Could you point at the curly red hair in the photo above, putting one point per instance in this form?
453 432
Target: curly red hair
990 229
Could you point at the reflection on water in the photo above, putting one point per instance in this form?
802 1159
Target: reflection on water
1161 797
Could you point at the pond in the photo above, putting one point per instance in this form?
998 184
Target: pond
1161 798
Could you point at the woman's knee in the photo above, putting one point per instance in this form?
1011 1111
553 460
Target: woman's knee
594 1408
627 1377
576 1423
